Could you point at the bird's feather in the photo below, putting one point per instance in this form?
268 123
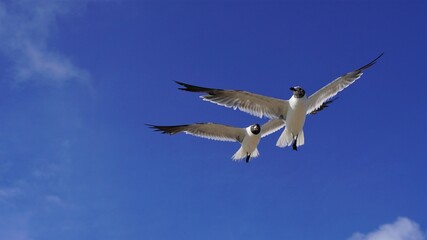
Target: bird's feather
272 126
323 106
251 103
211 131
316 100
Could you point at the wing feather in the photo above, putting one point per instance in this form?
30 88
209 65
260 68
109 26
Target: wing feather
211 131
324 105
327 92
272 126
254 104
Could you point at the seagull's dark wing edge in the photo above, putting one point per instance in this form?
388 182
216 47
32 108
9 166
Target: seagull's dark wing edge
211 131
330 90
324 105
254 104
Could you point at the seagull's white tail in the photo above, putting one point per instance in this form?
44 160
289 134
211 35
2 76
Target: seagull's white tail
240 154
286 139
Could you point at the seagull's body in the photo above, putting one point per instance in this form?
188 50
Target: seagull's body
249 137
294 122
292 111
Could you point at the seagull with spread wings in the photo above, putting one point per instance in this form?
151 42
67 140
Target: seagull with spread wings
292 111
248 137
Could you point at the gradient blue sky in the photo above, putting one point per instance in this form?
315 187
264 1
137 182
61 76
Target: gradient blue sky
79 79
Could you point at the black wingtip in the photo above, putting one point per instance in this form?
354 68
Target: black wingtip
193 88
154 127
162 129
371 63
168 129
185 86
375 60
180 83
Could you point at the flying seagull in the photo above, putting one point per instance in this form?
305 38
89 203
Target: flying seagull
292 111
248 137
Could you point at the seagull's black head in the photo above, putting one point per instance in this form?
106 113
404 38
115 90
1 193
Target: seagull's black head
298 91
255 129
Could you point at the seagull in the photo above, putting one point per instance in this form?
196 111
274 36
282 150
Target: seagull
292 111
249 137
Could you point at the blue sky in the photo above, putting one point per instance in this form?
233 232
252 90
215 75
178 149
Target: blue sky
79 79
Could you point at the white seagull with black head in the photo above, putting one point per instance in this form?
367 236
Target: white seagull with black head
248 137
292 111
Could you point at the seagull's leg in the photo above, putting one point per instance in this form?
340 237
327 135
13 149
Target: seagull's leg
294 144
248 156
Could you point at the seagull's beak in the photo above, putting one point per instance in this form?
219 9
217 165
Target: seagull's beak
292 89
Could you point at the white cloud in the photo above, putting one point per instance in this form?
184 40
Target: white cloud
25 26
402 229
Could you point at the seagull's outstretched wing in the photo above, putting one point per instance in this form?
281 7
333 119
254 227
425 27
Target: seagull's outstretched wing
272 126
211 131
316 100
251 103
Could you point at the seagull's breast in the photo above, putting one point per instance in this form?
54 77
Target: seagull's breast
296 114
250 142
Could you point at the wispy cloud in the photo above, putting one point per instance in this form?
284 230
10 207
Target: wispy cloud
55 200
36 193
402 229
7 193
15 227
25 27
